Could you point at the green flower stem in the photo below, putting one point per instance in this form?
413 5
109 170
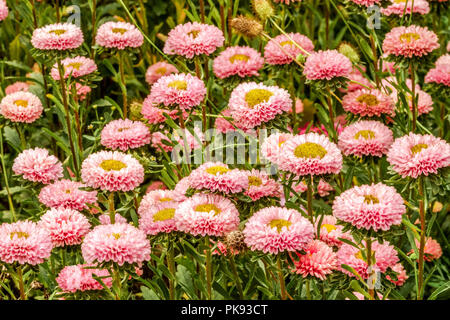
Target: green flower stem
23 142
370 267
309 198
281 278
5 178
123 86
237 280
422 214
112 212
77 118
308 289
413 100
21 283
208 268
171 266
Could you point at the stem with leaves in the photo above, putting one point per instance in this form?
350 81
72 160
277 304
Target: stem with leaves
422 214
123 86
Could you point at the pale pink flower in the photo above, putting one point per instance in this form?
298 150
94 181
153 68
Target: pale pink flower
38 166
74 67
271 147
443 60
356 76
368 103
432 250
3 10
290 44
318 261
326 65
106 218
330 231
158 198
181 187
119 35
238 61
154 114
401 275
82 91
224 125
58 36
260 185
17 86
21 106
299 107
324 188
125 134
80 278
155 185
439 75
401 7
158 218
157 70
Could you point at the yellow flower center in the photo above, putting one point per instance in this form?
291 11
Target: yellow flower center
115 165
123 129
208 207
329 227
370 199
409 37
178 84
254 181
194 33
239 57
68 191
310 150
75 65
162 71
119 30
418 147
164 214
116 235
165 199
58 32
19 235
21 103
400 1
366 134
286 43
217 170
359 255
368 99
257 96
279 224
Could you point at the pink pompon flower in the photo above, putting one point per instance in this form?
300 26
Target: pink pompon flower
17 86
157 70
283 49
159 198
217 177
183 90
158 218
318 261
125 134
365 138
112 171
368 103
80 278
252 104
260 185
413 155
66 194
400 273
365 3
67 227
271 146
439 75
3 10
75 67
310 154
193 39
106 218
58 36
24 242
120 243
207 214
375 206
385 257
240 61
21 106
432 250
406 7
119 35
181 187
275 230
38 166
324 188
82 91
154 114
326 65
224 125
412 41
330 231
443 60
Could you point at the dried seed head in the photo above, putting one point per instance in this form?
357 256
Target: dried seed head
246 26
263 9
235 241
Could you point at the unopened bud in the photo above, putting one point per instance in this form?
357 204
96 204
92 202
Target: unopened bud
349 51
437 207
263 9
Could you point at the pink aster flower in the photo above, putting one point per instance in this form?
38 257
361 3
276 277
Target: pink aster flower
299 107
326 65
3 10
207 214
240 61
112 171
324 188
413 155
275 230
412 41
310 154
368 103
38 166
183 90
192 39
271 147
181 187
75 67
106 219
17 86
443 60
58 36
67 227
401 275
217 177
284 49
157 198
155 185
125 134
365 138
21 106
157 70
360 82
120 243
223 125
439 75
82 91
330 231
432 250
260 185
119 35
158 218
375 206
385 257
24 242
406 7
252 104
154 114
66 194
318 261
80 278
365 3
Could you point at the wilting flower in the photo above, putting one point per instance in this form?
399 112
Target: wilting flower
67 194
192 39
158 218
324 188
401 275
368 103
240 61
330 231
318 261
274 230
375 206
252 104
120 243
24 242
3 10
365 138
119 35
271 147
326 65
58 36
260 185
21 106
206 214
66 226
401 7
413 155
112 171
125 134
75 67
80 278
283 49
38 166
17 86
157 70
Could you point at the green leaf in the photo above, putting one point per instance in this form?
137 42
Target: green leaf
149 294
